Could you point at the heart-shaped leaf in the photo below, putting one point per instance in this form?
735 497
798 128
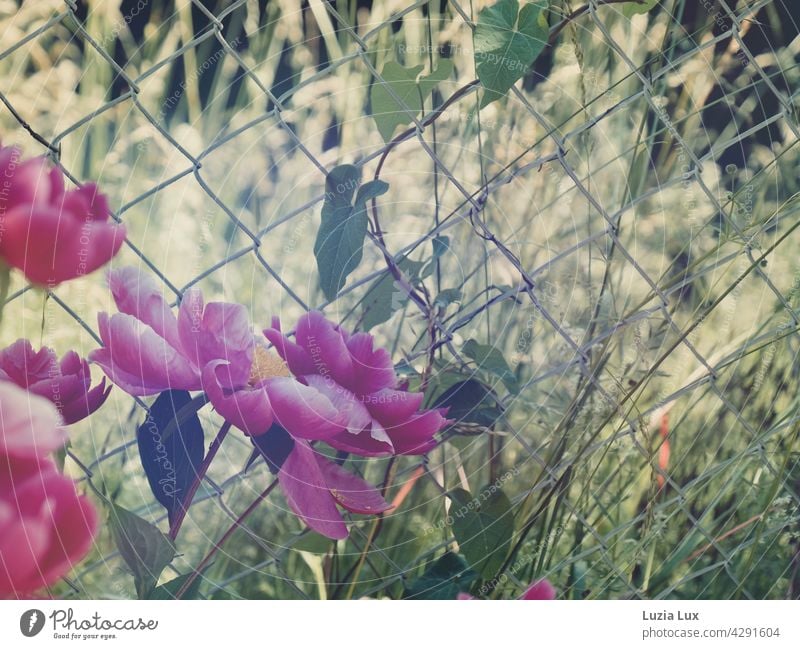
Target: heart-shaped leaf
491 359
483 526
387 296
507 40
470 401
144 547
388 112
445 579
630 9
170 589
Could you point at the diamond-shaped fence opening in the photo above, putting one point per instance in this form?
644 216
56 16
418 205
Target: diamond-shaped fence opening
620 228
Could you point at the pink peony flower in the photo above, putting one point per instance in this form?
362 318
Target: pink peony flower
50 234
29 424
210 347
314 486
148 350
45 526
361 383
66 383
541 589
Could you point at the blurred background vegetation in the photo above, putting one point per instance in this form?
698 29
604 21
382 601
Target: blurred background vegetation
686 322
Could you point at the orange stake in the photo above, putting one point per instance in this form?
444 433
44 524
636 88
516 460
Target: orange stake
401 494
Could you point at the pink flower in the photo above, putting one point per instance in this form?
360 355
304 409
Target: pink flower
314 486
361 383
541 589
45 526
29 424
52 235
66 383
147 350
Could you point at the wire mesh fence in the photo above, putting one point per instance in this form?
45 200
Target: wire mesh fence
621 228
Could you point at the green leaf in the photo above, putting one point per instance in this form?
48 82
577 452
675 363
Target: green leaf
145 549
312 542
170 589
507 41
630 9
440 245
469 401
445 579
440 73
171 460
388 112
483 527
386 296
447 296
491 359
343 226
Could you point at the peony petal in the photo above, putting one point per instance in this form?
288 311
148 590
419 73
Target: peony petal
85 404
31 182
93 203
302 410
362 434
297 359
190 322
21 545
541 589
74 523
25 367
325 347
362 444
130 383
136 294
372 369
105 240
352 414
29 424
392 407
415 436
248 409
58 525
24 534
307 493
66 246
139 360
350 491
224 334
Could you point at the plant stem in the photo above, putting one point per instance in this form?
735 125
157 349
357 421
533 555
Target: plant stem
175 527
5 284
391 470
218 545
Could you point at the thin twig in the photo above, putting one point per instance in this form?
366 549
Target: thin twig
218 545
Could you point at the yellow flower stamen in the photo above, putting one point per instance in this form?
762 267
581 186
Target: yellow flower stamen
266 365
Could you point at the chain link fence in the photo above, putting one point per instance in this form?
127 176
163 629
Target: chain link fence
621 227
